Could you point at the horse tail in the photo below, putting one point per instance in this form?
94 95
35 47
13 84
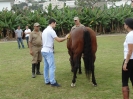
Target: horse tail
87 53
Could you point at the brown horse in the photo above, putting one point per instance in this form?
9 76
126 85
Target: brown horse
82 40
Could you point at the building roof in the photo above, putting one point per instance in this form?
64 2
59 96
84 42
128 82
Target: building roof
6 0
11 1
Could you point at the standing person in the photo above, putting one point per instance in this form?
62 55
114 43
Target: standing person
77 23
27 33
19 35
48 37
127 68
35 45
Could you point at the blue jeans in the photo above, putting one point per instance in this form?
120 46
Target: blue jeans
19 40
49 67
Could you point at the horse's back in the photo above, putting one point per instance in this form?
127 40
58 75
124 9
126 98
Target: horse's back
77 39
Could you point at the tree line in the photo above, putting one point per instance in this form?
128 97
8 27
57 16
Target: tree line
101 20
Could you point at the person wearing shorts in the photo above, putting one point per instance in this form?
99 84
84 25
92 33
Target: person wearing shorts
127 66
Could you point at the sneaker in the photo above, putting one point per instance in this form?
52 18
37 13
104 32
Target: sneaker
55 85
48 83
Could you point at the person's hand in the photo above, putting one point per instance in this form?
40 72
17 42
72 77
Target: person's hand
31 53
67 36
125 67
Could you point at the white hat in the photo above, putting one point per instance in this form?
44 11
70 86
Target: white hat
76 18
36 24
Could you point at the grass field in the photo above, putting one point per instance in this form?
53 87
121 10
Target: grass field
16 81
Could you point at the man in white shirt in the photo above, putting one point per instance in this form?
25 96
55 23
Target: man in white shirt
27 33
48 37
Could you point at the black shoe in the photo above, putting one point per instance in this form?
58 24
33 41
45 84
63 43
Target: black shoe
48 83
38 73
55 85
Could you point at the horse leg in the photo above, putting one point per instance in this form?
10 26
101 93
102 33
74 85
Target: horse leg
72 64
71 60
76 63
80 72
93 74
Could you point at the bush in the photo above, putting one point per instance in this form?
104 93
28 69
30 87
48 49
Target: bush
101 20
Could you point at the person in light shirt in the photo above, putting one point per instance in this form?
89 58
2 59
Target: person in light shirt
19 35
48 37
127 66
27 33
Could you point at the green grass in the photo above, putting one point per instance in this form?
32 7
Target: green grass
16 81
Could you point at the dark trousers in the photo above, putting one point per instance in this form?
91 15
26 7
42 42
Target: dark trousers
27 40
127 74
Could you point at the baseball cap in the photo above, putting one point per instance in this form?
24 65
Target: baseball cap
36 24
76 18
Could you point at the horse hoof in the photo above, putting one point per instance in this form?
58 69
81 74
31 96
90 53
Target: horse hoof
95 85
72 85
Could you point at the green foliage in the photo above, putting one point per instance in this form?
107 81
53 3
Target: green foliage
101 20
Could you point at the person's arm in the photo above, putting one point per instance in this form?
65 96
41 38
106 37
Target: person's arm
29 31
22 33
58 39
130 51
16 34
25 32
30 45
